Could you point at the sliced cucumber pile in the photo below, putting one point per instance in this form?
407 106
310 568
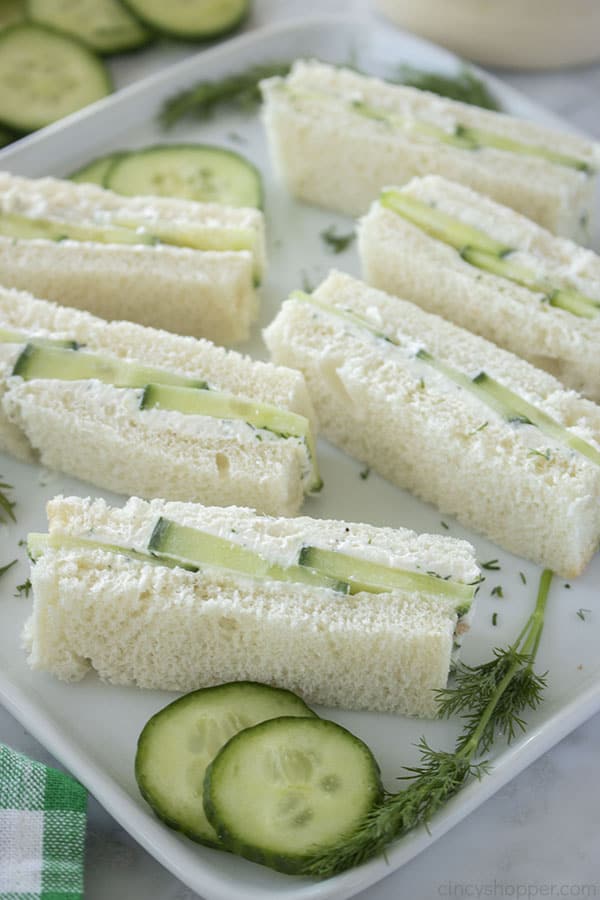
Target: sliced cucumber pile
45 75
190 21
189 171
283 790
104 25
181 740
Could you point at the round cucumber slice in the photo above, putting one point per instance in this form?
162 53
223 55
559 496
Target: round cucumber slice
11 12
179 742
95 172
104 25
190 21
283 790
189 171
45 75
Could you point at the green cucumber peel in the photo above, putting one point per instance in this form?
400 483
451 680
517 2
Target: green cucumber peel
481 138
374 578
467 138
569 299
29 228
38 544
440 225
259 415
7 336
49 361
492 393
172 541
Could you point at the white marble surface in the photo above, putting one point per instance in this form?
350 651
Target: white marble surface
536 837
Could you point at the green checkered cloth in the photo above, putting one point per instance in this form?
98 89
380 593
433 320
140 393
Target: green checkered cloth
42 831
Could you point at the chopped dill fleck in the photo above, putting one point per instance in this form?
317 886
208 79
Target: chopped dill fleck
445 525
335 241
547 455
491 565
495 618
581 613
497 591
24 588
568 587
522 576
480 428
364 474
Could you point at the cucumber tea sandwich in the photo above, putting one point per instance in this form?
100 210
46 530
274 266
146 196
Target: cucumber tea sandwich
463 424
338 137
489 269
187 267
136 410
178 596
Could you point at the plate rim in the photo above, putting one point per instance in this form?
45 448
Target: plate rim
164 845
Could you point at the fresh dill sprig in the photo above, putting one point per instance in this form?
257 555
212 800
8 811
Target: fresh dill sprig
4 569
240 90
335 241
491 698
465 86
6 506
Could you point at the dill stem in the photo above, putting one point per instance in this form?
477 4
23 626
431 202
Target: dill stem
528 642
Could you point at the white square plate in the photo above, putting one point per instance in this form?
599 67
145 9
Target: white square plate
91 727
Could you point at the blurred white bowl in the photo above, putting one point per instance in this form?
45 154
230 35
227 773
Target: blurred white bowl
528 34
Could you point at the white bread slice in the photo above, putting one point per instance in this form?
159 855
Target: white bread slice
329 155
402 259
167 628
62 200
191 292
417 428
97 432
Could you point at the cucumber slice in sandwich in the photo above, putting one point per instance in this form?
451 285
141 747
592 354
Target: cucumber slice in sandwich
490 392
440 225
95 171
227 406
480 250
26 228
196 21
8 336
180 543
364 575
569 299
177 745
198 172
54 362
104 25
38 544
45 75
283 790
467 138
